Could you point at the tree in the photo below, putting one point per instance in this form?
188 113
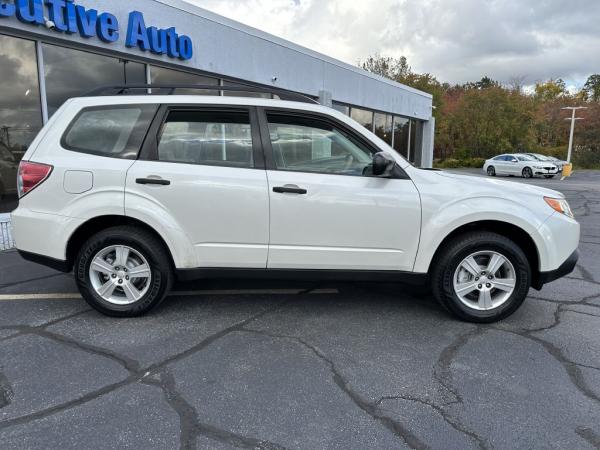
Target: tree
551 89
388 67
485 83
398 69
591 88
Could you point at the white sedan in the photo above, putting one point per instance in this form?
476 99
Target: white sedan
519 164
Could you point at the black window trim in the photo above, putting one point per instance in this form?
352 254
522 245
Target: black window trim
400 174
150 147
63 139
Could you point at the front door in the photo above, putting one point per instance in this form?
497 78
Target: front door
205 178
325 214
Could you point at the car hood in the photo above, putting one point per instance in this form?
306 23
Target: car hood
474 185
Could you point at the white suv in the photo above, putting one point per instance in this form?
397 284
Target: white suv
132 192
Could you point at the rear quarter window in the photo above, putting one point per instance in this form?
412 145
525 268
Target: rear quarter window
113 131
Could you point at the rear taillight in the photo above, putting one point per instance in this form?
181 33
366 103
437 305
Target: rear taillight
31 175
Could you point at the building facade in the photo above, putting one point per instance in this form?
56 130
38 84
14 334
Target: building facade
51 50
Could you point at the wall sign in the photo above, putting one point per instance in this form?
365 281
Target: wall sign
64 16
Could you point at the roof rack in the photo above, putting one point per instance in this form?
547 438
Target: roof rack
146 89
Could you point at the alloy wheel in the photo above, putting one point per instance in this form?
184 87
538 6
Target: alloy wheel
484 280
120 274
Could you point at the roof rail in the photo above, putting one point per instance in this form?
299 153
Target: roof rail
146 89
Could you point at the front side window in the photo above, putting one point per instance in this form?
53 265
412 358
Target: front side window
220 138
525 158
313 145
114 131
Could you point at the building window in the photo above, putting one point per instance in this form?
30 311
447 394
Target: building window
70 73
383 127
20 111
243 93
344 109
162 75
362 116
401 135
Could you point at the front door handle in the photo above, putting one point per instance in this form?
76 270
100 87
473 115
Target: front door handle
158 181
289 189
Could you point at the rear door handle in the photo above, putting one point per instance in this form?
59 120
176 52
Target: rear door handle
289 189
158 181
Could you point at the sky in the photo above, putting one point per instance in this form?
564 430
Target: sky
455 40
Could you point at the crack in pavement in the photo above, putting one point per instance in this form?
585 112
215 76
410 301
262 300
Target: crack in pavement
571 368
587 275
368 407
27 329
589 435
444 375
190 425
6 392
137 374
457 425
46 277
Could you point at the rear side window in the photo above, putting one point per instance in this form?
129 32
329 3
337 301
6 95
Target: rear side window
217 138
114 131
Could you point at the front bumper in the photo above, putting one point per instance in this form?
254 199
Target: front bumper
546 171
565 269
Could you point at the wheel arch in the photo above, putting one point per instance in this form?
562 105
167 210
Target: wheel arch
99 223
517 234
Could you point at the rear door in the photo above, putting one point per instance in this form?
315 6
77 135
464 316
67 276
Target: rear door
326 211
202 168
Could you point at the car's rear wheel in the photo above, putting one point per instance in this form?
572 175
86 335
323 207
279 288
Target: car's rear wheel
481 277
527 172
123 271
491 171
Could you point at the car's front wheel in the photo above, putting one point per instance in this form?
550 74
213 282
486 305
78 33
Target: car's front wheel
527 172
481 277
123 271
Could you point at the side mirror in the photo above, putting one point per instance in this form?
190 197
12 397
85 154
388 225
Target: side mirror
383 165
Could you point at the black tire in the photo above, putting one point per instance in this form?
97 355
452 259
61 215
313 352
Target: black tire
527 172
453 253
548 176
141 241
491 171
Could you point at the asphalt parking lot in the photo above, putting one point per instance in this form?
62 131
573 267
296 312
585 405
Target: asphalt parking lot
234 364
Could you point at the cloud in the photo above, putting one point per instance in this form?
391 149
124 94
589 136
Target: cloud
456 40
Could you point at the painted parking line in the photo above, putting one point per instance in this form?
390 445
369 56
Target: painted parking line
75 296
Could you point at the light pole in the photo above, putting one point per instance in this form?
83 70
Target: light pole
572 119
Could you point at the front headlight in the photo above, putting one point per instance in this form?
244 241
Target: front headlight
560 205
538 167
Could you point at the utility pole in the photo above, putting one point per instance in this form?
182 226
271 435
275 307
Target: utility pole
572 119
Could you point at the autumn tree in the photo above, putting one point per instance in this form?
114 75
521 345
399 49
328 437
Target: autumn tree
591 88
